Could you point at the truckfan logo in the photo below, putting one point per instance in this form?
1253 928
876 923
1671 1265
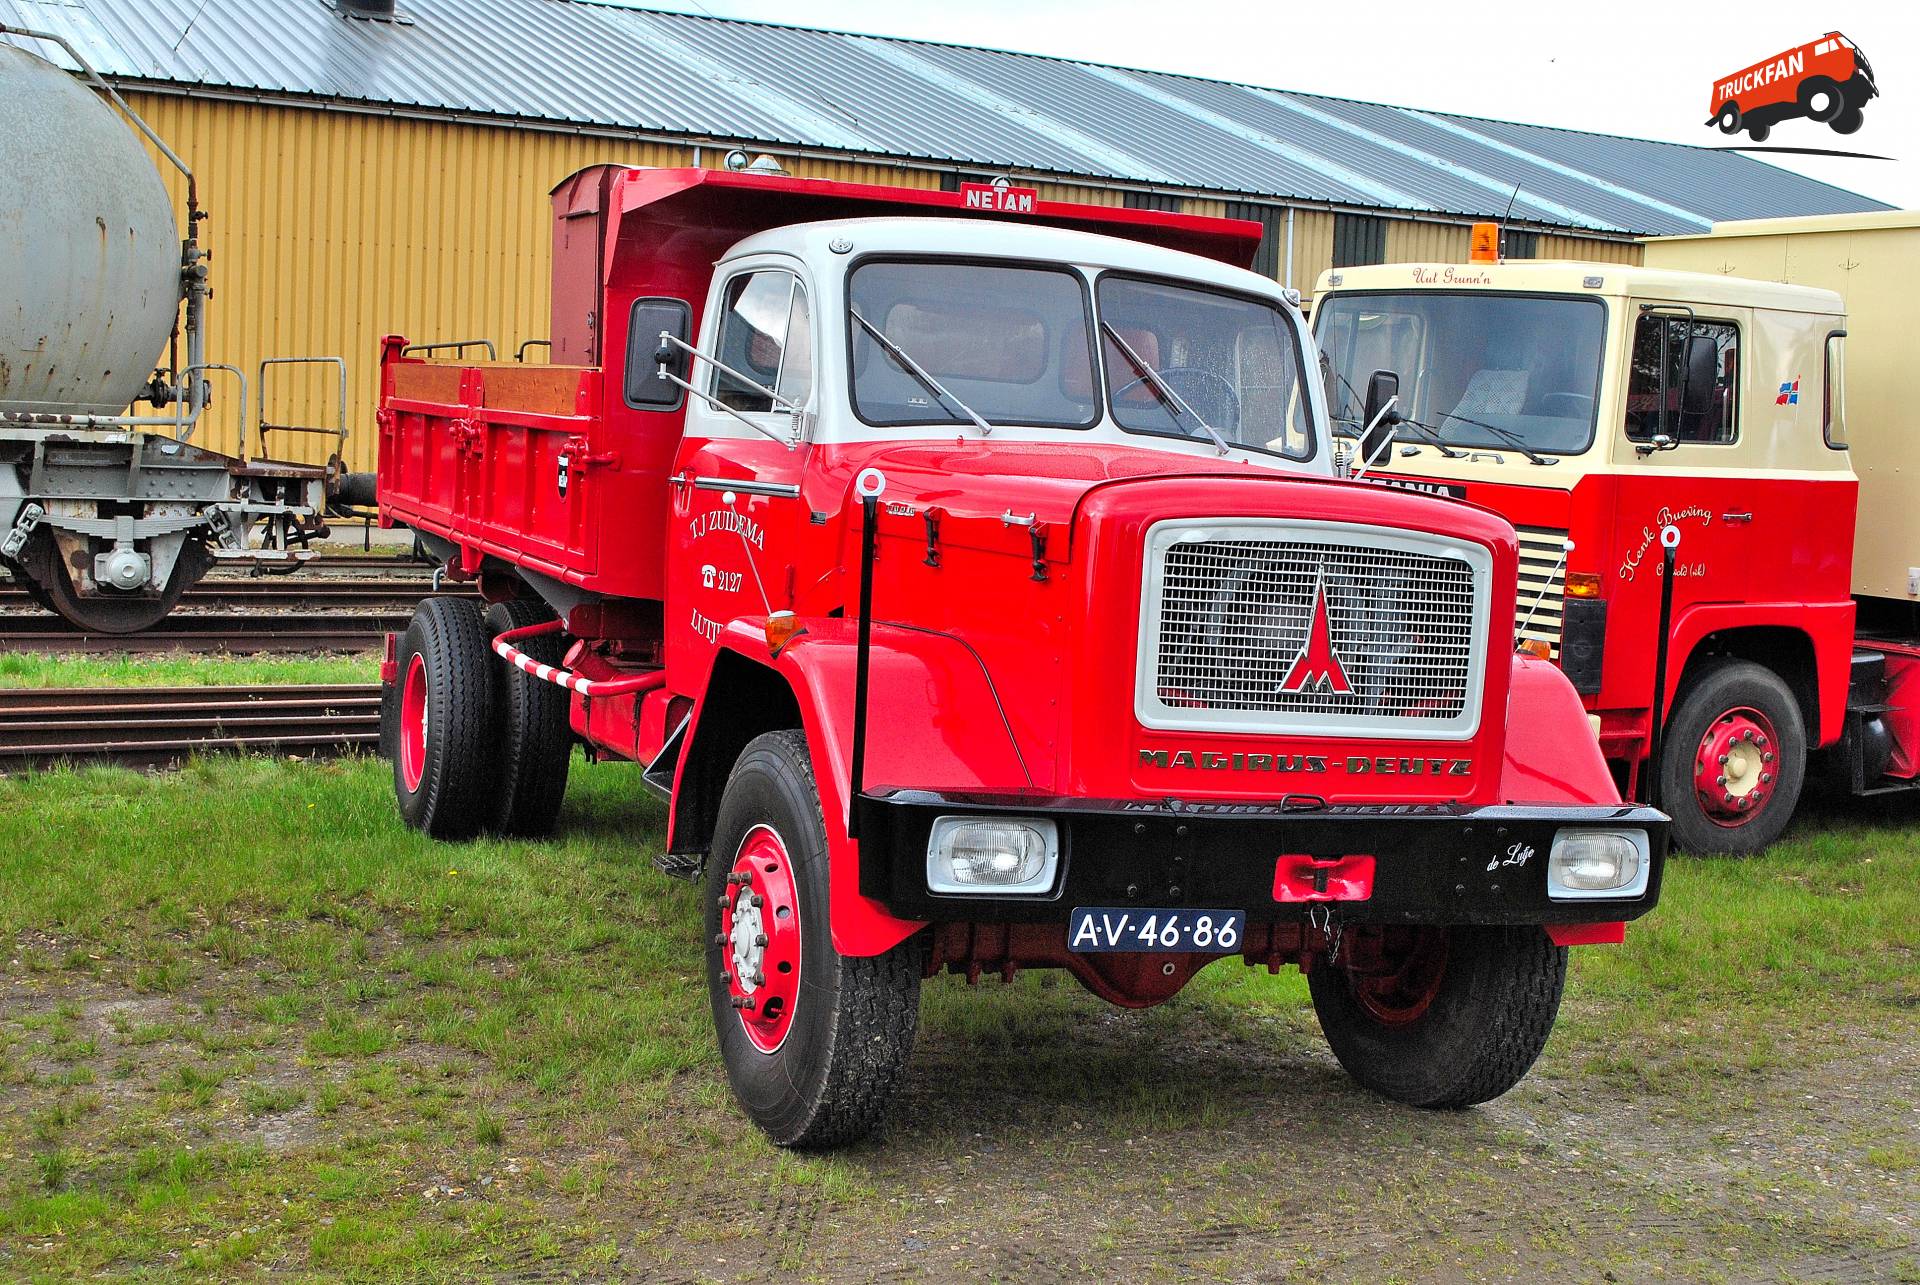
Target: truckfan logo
1317 668
1828 81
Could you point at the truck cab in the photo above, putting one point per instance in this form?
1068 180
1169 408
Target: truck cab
1670 449
977 581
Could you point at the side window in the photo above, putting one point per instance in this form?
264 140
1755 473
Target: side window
1686 380
1833 395
765 336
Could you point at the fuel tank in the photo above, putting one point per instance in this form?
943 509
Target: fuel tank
89 244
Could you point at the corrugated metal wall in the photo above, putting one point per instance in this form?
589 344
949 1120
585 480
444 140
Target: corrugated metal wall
331 228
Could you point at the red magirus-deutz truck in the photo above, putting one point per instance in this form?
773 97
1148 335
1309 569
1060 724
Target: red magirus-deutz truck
972 575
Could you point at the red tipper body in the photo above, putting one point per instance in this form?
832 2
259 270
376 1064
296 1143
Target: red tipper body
1052 634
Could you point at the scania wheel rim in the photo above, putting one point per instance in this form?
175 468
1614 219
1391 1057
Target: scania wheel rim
760 938
413 723
1405 978
1734 771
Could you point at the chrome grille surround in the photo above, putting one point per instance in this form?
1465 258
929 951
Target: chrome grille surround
1227 605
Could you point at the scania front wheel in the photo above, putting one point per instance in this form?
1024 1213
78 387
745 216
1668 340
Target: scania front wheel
536 743
1733 758
447 720
814 1042
1439 1017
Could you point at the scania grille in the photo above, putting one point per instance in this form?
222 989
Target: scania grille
1543 578
1235 636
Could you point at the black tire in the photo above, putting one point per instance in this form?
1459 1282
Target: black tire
1832 100
536 743
1497 994
1847 121
1758 132
1729 119
836 1066
450 758
1732 685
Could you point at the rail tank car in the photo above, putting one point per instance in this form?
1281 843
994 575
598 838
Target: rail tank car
92 250
108 509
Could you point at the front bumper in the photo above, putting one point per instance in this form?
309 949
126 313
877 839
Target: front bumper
1432 864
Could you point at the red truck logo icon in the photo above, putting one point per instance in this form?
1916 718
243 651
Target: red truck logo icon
1826 80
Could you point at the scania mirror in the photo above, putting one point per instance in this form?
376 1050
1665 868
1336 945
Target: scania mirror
1383 387
647 352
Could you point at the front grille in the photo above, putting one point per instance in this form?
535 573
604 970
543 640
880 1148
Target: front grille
1543 579
1230 629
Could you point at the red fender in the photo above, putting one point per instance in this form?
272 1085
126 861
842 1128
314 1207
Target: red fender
1551 755
934 723
1827 625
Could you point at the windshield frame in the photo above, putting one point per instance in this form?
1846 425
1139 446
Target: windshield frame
1486 441
1299 403
853 332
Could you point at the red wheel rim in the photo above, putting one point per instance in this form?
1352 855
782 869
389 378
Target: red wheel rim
1403 978
413 723
760 938
1734 768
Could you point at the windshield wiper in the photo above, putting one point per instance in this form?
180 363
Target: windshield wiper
1165 390
1428 435
932 385
1508 436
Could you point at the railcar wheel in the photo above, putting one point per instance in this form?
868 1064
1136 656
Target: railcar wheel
1733 759
447 721
814 1042
530 771
51 583
1439 1017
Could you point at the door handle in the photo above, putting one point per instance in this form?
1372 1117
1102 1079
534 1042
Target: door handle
1731 518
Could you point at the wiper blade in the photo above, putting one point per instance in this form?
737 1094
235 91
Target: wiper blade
1162 387
1432 438
948 402
1508 436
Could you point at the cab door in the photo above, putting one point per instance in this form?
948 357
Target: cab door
737 512
1681 462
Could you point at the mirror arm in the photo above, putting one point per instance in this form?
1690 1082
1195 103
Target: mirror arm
1382 414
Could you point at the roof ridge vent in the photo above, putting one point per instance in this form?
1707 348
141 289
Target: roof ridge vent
368 10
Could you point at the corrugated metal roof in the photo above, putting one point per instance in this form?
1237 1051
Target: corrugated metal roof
608 66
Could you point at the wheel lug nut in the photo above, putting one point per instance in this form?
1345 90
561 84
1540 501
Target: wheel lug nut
759 939
1765 777
756 900
1721 779
1723 760
759 979
1727 798
1767 757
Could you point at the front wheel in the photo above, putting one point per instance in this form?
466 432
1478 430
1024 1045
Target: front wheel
1729 119
1439 1017
815 1042
1732 760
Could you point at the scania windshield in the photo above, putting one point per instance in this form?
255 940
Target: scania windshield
1493 371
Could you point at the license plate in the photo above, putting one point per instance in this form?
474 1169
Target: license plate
1092 929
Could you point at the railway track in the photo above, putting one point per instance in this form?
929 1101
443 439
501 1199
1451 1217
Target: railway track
225 631
356 594
156 726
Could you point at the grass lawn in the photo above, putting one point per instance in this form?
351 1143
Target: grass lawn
249 1024
181 669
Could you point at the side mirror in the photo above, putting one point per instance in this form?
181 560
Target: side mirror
1377 442
647 352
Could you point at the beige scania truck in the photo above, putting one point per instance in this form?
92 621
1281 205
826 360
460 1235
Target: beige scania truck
1711 463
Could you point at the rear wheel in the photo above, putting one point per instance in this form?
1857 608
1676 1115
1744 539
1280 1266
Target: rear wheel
815 1042
1820 98
1733 758
447 720
530 770
1439 1017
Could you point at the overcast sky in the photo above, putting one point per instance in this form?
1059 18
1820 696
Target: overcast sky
1642 70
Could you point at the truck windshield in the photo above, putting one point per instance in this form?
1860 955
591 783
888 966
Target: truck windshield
1518 372
1184 361
1008 343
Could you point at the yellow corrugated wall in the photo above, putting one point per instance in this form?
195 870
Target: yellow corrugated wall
1409 241
1553 246
330 229
1312 249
